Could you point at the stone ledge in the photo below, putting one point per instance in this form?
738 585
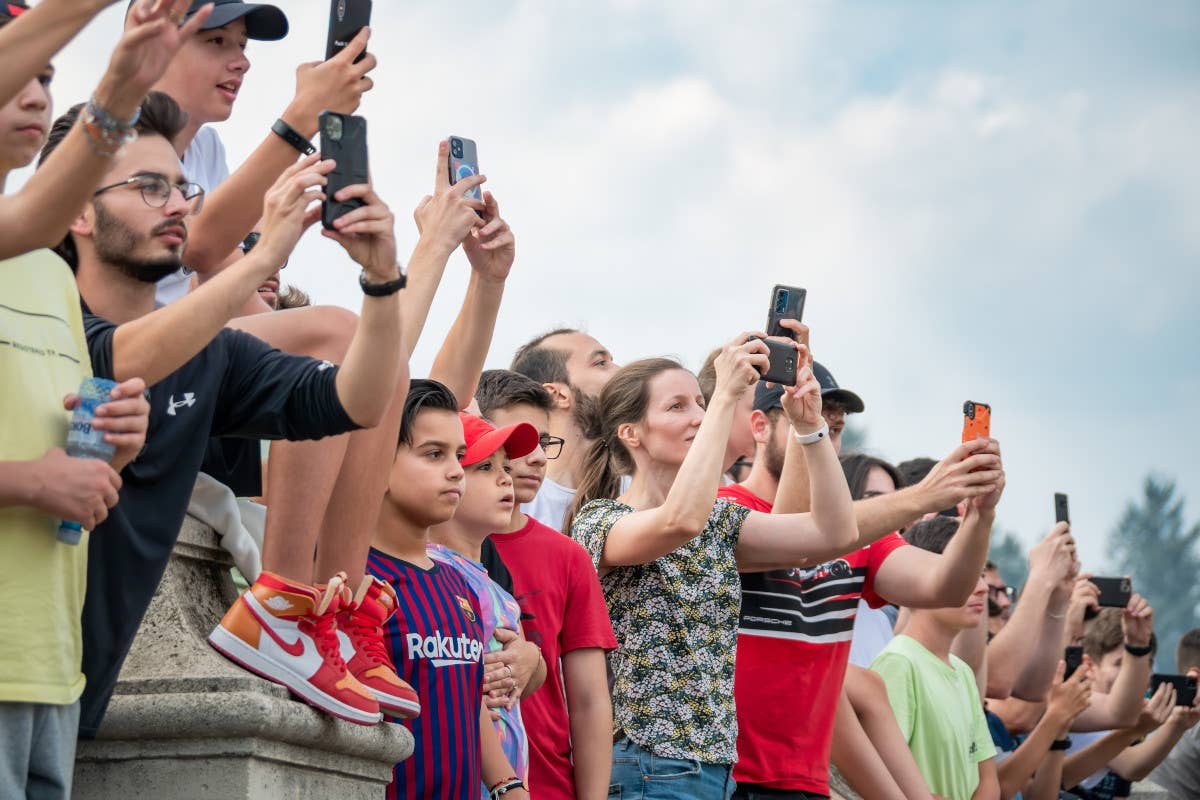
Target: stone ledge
186 723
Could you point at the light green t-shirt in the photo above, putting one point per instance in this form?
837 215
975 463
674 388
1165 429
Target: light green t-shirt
940 714
43 357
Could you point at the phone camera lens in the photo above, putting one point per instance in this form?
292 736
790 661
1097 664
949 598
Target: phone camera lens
333 128
781 300
969 409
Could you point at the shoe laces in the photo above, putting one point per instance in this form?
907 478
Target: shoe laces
367 637
321 625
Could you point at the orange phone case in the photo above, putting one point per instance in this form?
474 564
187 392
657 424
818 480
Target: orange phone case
977 421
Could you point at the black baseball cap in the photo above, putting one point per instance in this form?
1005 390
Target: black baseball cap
263 22
767 398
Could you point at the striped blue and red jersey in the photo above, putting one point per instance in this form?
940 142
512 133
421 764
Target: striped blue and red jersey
437 644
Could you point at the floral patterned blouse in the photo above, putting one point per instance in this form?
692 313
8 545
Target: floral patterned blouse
676 622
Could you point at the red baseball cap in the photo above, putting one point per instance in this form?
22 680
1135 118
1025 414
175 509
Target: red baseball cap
13 9
483 439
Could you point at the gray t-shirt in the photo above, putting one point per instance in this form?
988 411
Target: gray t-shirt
1179 773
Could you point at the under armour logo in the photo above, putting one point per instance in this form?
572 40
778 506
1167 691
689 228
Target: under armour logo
189 400
324 366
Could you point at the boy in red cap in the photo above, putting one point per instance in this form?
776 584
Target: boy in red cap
436 638
486 506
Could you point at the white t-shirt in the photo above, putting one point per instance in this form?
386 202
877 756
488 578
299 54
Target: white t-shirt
553 500
203 163
872 632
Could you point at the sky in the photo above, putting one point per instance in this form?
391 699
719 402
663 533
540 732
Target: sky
994 202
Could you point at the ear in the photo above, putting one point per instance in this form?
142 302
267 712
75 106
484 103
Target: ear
760 426
83 224
629 435
560 393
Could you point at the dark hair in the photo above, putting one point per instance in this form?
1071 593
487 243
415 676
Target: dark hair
423 395
707 376
624 398
1187 654
1104 634
932 534
161 116
501 388
858 466
914 470
543 364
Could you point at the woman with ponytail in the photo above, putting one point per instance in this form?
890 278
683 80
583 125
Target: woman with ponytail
668 553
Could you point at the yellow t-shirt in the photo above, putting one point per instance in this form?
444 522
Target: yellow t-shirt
43 356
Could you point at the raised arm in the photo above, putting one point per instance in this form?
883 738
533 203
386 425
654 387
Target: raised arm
1066 700
231 209
643 536
452 213
918 578
32 39
491 250
1138 761
1121 707
42 211
785 540
1052 564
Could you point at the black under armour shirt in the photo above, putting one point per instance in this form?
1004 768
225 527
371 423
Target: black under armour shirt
237 386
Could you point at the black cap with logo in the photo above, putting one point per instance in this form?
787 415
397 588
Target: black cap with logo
263 22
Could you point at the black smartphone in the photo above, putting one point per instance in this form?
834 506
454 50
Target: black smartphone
346 19
782 366
787 302
1185 687
1074 659
344 139
464 162
1061 512
1114 592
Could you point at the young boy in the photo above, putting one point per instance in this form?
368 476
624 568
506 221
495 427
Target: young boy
436 640
934 694
569 720
487 505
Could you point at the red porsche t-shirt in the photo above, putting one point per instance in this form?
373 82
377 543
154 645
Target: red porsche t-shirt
562 609
793 645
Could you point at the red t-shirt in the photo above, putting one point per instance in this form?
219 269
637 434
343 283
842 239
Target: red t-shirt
804 619
562 609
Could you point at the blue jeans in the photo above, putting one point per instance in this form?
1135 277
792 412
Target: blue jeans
638 774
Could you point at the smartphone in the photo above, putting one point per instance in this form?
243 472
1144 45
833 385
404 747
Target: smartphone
1061 512
346 19
1185 687
787 302
464 162
344 139
1074 659
977 421
782 366
1114 592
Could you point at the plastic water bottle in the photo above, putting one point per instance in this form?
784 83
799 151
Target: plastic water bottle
84 441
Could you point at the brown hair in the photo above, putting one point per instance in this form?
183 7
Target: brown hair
1104 634
1187 654
624 399
292 297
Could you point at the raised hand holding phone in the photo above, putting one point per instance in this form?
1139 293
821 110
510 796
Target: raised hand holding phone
347 18
447 216
344 141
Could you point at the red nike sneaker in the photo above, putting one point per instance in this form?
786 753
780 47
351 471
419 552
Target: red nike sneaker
360 630
284 632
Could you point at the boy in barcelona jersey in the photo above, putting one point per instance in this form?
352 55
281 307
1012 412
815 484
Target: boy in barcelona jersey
438 635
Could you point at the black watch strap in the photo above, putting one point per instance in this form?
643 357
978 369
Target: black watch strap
1061 744
289 135
1138 652
382 289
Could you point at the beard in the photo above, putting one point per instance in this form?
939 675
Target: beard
115 243
774 455
585 413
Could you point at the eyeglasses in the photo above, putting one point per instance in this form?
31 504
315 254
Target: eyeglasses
156 191
996 591
251 240
552 445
